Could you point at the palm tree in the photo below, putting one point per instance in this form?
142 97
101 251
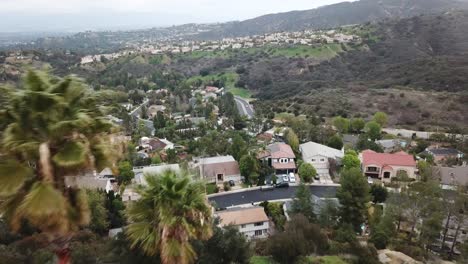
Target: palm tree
172 211
51 128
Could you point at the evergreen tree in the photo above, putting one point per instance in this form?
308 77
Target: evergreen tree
354 197
303 203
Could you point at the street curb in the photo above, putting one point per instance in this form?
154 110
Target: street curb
258 188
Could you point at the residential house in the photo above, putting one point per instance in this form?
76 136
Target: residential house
251 222
280 157
154 109
451 177
442 154
155 144
142 172
391 145
319 156
385 166
217 169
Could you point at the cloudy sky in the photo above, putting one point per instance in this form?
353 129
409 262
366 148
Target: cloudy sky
73 15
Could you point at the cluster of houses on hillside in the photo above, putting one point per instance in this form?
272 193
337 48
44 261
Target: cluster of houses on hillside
307 37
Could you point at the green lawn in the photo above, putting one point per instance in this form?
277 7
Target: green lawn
261 260
244 93
230 80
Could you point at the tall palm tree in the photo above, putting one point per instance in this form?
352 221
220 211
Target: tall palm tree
172 211
51 128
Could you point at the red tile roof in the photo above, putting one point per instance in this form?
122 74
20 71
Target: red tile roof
283 166
401 158
280 150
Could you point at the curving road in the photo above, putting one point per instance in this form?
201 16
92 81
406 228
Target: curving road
256 196
245 109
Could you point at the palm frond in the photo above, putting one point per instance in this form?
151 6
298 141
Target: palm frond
12 176
72 154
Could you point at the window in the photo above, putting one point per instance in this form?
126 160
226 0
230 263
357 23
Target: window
372 169
258 224
313 160
386 175
284 160
322 159
258 232
242 226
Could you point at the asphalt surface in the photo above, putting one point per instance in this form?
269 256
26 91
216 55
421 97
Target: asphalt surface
244 107
256 196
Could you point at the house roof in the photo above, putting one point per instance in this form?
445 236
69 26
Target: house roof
382 159
444 152
311 149
280 150
150 170
283 166
388 143
242 216
453 175
210 167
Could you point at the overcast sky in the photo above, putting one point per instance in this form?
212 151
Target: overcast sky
72 15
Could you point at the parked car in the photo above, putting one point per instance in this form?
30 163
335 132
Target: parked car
285 178
282 185
267 188
292 177
317 177
231 183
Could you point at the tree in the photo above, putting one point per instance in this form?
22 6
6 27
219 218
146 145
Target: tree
227 245
381 118
292 140
351 160
53 128
357 125
353 195
238 147
171 156
307 172
171 212
341 124
303 203
247 166
99 215
329 214
335 142
159 121
373 130
379 193
126 173
300 238
115 208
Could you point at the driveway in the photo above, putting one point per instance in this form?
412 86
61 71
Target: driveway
256 196
245 109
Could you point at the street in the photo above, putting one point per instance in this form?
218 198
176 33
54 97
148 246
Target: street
256 196
245 109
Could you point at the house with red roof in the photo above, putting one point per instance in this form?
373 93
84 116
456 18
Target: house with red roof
280 157
385 166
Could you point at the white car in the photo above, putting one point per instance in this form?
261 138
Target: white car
292 177
285 178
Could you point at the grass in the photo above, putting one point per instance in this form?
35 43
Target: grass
261 260
241 92
211 188
311 260
230 80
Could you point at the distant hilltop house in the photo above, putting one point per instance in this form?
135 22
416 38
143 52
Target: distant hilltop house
318 155
280 157
441 154
391 145
217 169
251 222
154 109
386 166
451 177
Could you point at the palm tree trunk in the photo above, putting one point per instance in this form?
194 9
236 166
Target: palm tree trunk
445 231
454 240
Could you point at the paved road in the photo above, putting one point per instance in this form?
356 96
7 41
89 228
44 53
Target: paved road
244 107
256 196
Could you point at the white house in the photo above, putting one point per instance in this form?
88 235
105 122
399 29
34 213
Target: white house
318 155
141 172
251 221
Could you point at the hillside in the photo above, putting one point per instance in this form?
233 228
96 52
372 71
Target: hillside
331 16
